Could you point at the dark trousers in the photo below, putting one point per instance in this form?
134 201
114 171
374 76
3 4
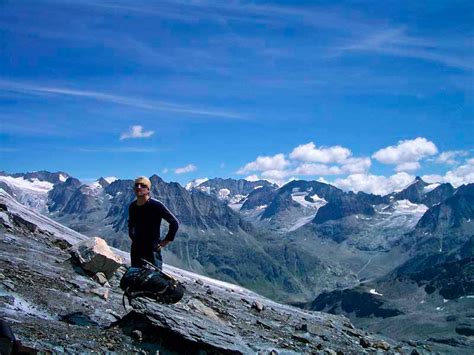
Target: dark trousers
158 262
145 252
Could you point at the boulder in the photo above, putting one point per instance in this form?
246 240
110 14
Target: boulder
94 255
258 306
100 278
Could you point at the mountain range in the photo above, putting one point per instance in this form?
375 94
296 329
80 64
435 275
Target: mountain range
376 259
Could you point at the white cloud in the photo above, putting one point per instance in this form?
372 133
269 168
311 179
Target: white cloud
165 171
406 153
281 182
356 165
449 157
186 169
264 163
252 178
376 184
136 132
309 153
432 178
316 169
463 174
275 174
408 166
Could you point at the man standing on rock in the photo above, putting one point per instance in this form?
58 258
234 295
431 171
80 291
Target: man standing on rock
144 220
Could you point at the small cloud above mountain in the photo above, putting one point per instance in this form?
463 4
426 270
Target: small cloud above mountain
136 132
185 169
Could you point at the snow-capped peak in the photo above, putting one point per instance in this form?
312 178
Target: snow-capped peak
29 192
110 179
194 183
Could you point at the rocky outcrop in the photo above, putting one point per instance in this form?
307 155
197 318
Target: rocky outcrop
60 194
95 256
422 192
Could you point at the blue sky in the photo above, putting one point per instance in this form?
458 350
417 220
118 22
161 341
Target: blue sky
365 95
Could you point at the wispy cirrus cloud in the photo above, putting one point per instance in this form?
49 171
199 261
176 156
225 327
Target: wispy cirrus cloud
116 99
116 150
396 42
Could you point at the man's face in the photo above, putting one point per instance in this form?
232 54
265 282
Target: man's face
141 189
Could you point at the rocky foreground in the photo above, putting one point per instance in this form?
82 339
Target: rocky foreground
54 304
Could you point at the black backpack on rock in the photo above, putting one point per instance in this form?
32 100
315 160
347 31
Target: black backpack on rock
149 281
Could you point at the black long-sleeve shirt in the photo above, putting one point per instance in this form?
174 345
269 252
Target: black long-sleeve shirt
144 228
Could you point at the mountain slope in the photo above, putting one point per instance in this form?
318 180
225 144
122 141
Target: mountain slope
54 306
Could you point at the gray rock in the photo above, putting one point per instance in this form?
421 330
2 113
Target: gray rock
200 307
137 335
258 306
100 278
94 255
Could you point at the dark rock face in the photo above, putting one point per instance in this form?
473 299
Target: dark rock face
342 207
451 212
283 200
360 303
417 192
60 195
451 280
102 182
82 201
259 197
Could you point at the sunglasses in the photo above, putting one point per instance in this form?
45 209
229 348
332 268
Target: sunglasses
141 186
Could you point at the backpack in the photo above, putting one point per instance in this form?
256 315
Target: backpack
152 283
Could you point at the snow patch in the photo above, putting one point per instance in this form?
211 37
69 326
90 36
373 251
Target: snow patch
43 222
23 306
300 198
94 185
33 185
224 194
405 206
372 291
301 222
62 178
237 199
195 183
235 206
32 193
430 187
110 179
